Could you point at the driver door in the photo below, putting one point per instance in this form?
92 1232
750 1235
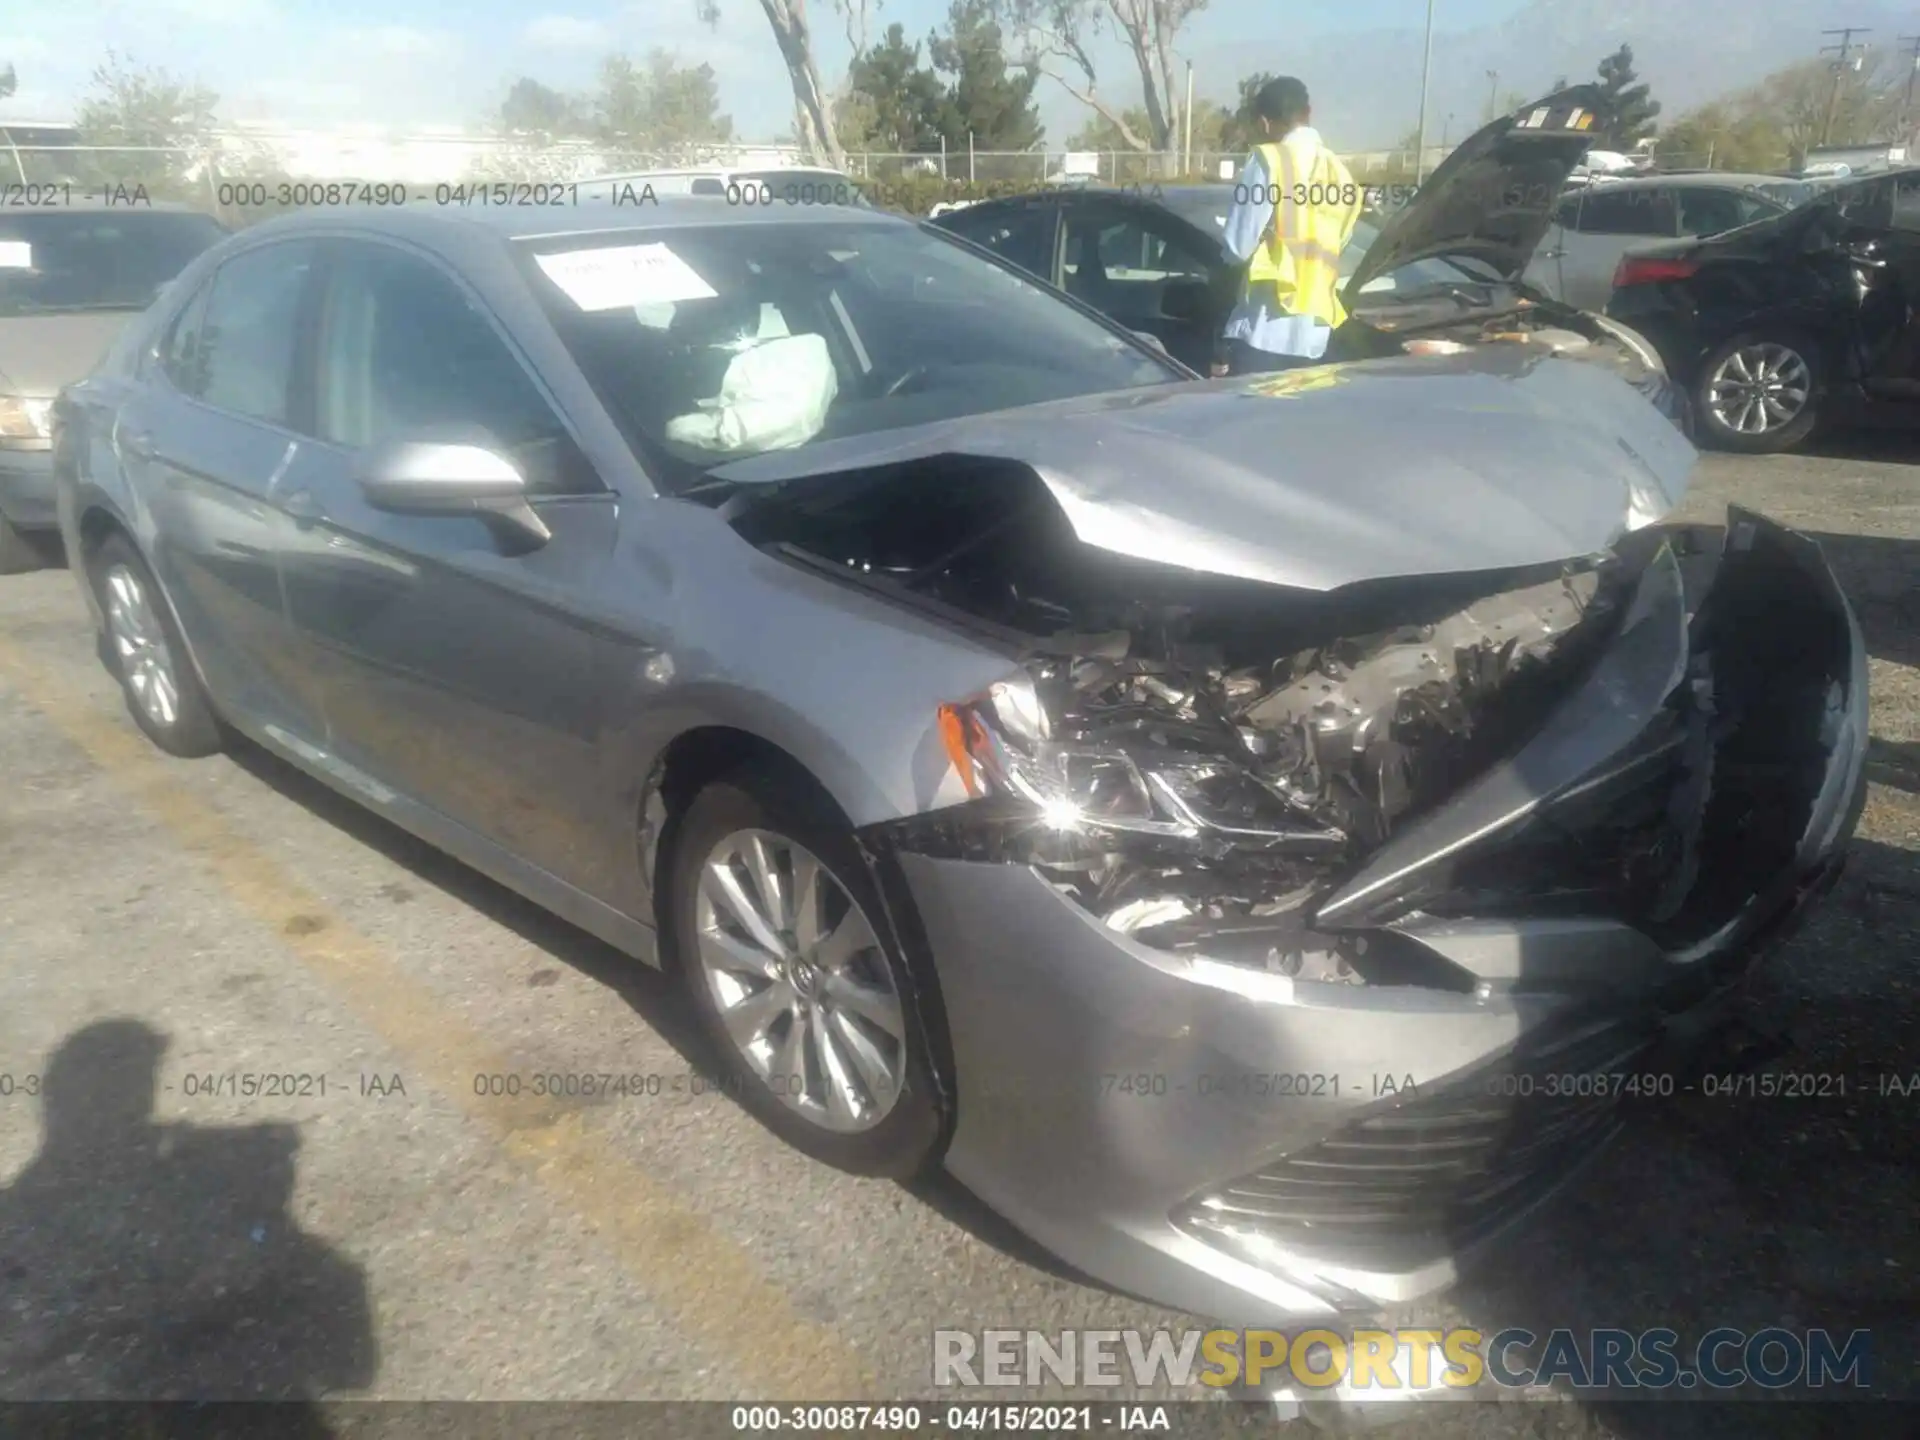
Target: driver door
1897 377
454 674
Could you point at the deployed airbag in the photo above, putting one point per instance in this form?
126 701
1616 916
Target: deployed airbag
774 396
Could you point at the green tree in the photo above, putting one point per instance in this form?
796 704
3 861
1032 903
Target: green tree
166 123
541 112
989 100
904 100
657 106
1772 124
1627 108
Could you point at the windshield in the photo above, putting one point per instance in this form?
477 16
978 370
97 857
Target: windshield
67 260
715 343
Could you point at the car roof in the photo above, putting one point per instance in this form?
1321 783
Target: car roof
1710 179
428 221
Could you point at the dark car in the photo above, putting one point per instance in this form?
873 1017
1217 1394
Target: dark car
1449 265
71 276
1778 327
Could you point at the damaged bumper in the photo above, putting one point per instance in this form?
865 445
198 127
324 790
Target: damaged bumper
1277 1116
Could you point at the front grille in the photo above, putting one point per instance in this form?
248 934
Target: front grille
1439 1171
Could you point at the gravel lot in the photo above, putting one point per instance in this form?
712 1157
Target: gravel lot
402 1236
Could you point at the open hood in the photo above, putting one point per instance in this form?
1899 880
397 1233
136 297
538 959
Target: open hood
1493 198
1321 477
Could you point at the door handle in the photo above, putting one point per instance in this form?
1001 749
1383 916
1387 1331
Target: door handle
137 443
1553 254
305 508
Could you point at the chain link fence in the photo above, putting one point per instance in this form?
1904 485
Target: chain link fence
247 177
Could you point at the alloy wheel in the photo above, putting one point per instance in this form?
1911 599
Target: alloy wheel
800 981
140 645
1759 388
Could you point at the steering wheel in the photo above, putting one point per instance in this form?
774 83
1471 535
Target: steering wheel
905 378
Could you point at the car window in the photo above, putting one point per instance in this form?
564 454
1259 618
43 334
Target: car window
180 350
1906 203
708 185
1137 249
56 260
1606 210
244 343
1868 205
405 354
1023 238
1706 210
716 343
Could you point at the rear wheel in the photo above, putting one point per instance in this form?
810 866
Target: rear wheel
145 654
1757 394
783 946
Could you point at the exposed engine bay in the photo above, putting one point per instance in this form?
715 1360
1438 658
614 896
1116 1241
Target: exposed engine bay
1438 320
1184 741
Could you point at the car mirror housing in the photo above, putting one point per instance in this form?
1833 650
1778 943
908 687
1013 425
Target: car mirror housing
437 478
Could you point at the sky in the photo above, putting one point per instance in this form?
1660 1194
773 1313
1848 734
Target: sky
411 63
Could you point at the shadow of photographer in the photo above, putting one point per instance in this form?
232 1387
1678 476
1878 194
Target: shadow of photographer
150 1261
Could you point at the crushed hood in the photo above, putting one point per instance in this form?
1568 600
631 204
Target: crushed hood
1493 198
1316 478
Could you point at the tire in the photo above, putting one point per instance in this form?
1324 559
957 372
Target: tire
20 552
144 652
1798 373
848 994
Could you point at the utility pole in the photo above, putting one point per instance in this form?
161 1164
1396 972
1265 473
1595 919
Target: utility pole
1420 132
1493 95
1913 70
1845 53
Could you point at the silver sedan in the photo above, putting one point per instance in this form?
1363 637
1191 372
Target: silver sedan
1257 834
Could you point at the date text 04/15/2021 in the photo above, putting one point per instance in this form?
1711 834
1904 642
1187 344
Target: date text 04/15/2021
967 1419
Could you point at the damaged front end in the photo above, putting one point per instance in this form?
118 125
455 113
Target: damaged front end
1300 781
1175 784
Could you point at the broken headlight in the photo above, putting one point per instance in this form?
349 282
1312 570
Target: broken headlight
1133 780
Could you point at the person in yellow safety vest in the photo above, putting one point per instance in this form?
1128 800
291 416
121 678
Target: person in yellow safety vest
1293 211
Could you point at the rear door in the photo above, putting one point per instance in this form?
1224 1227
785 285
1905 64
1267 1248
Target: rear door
1708 210
1024 234
1607 221
1146 270
456 674
208 437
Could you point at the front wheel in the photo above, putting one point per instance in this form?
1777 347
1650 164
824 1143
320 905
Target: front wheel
783 946
1757 394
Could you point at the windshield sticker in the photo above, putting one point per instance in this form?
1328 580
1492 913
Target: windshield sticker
626 277
16 255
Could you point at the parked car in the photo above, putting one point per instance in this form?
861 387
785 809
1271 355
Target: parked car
1808 318
975 708
1597 224
1448 266
71 276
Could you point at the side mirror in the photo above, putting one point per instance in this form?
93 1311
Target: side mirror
434 478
